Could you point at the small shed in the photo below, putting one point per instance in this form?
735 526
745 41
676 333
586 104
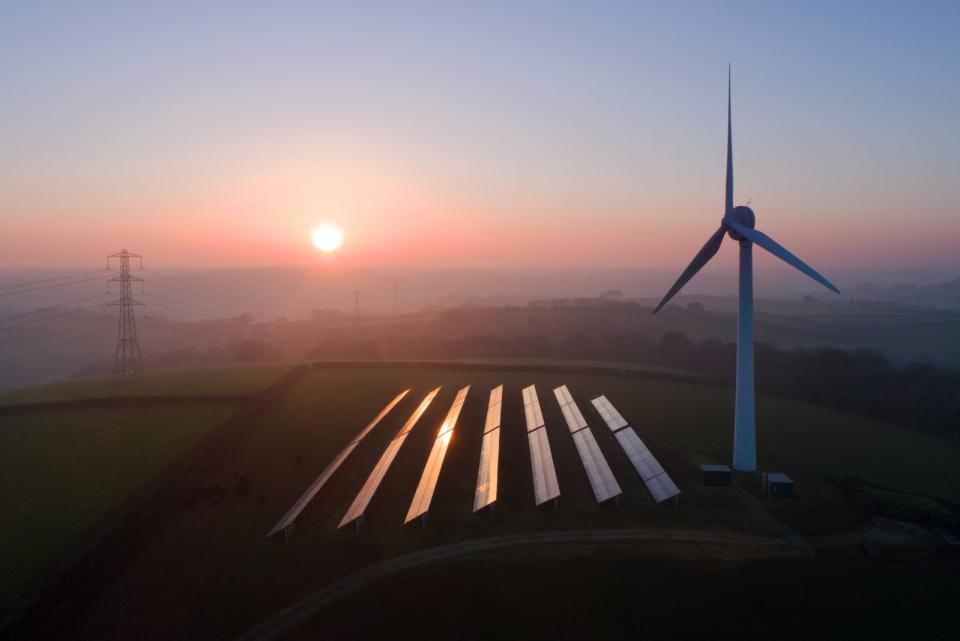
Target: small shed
716 475
778 485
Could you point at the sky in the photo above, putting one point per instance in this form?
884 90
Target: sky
477 135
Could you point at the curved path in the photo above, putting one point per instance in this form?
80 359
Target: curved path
285 619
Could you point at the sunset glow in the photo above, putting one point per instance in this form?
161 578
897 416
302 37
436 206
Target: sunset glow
327 238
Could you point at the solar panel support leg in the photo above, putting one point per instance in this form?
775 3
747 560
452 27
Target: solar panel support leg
423 520
616 501
359 522
556 505
676 502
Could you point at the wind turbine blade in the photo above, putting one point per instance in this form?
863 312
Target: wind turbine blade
703 256
779 251
728 202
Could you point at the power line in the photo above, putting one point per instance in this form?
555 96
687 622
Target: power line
219 313
51 307
49 318
65 330
16 355
212 291
274 307
48 280
36 289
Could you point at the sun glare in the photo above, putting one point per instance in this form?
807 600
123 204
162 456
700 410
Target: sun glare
327 238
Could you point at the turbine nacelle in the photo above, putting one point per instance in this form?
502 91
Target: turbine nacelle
742 215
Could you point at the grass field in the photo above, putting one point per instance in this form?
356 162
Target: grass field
63 471
655 594
236 380
212 553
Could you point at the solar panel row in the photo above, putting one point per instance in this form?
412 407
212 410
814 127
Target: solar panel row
487 475
431 471
656 479
545 485
360 503
332 467
601 478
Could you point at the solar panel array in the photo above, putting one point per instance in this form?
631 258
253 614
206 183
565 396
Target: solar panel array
292 514
656 479
545 485
602 481
431 471
487 475
360 503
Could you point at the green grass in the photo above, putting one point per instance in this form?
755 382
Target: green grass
227 379
652 594
62 471
235 577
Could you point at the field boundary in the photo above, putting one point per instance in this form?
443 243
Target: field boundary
560 368
59 590
120 402
300 611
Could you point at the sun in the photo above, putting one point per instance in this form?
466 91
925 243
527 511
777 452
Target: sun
327 237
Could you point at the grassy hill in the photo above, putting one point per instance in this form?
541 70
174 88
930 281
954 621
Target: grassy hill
201 566
65 468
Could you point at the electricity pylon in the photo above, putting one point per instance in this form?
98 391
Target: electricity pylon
127 362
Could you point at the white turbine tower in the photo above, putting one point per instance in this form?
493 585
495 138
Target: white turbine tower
739 223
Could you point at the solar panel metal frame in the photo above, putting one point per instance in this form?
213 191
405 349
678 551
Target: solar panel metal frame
359 506
423 495
311 491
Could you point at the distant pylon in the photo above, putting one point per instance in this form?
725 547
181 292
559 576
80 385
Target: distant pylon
127 362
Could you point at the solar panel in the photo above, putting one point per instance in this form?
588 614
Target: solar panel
609 413
545 486
571 413
653 475
662 488
332 467
531 408
362 500
600 475
494 408
486 492
431 471
645 463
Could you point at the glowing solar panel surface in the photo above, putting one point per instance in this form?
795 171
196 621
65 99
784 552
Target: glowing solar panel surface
431 471
487 475
364 496
332 467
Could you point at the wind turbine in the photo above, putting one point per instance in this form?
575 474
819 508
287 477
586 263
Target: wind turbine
739 222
